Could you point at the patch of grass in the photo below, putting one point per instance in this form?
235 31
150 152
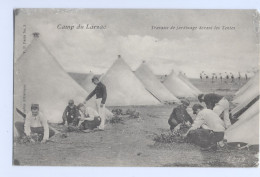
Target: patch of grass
129 113
116 120
32 139
219 164
117 111
167 138
133 114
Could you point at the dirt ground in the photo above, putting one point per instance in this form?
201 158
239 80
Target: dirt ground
131 143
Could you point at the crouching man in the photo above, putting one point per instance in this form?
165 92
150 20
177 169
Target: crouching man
207 128
89 119
179 116
218 104
70 114
35 123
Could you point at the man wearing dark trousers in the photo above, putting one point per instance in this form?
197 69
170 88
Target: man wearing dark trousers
207 120
35 123
71 114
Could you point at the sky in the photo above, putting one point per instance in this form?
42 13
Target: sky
129 33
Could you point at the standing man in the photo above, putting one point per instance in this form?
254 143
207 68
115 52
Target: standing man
206 124
218 104
232 77
101 96
239 76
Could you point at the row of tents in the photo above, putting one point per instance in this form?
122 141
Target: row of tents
39 78
141 87
246 128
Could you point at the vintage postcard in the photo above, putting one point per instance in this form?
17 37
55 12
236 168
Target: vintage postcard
136 88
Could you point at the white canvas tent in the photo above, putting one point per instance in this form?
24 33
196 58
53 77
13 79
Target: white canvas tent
153 85
87 82
249 94
40 79
246 129
248 132
250 112
124 88
186 80
252 81
179 88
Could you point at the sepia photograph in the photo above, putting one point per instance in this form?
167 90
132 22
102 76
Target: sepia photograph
136 87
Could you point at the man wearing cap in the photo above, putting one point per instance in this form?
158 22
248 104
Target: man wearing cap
36 122
90 118
71 114
179 116
218 104
101 96
208 120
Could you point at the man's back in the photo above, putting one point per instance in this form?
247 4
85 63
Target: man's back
210 119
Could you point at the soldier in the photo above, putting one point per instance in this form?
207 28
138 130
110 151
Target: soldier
90 118
219 104
232 77
101 96
179 116
70 114
35 123
207 124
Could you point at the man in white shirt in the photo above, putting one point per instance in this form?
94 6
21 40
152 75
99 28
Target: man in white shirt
90 118
207 119
36 122
218 104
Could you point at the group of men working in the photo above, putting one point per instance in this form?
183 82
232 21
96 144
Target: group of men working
209 124
77 117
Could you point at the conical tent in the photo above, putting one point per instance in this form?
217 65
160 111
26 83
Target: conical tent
186 80
249 113
175 85
124 88
241 108
249 94
40 79
246 132
153 85
252 81
87 82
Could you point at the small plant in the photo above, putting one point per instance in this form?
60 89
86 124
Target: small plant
116 120
133 114
30 139
167 138
117 111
